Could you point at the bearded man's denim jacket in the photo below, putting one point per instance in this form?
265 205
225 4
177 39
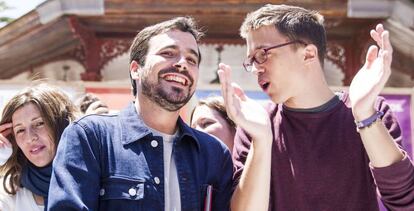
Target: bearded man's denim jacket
114 162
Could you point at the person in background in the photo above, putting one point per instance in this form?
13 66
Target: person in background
90 104
313 149
210 116
146 157
30 128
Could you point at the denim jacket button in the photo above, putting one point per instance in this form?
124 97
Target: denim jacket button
132 192
157 180
102 192
154 143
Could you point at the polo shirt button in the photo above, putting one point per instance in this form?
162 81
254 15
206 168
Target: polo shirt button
157 180
132 192
102 192
154 143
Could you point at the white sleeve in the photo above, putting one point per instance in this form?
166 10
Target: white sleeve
7 201
5 153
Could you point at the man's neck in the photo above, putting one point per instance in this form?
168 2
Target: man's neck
314 92
310 99
156 117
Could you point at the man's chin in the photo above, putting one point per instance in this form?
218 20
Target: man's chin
173 104
172 107
275 98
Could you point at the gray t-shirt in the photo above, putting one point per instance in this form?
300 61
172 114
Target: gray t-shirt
171 185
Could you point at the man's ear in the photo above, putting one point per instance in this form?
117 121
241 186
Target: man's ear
310 53
134 70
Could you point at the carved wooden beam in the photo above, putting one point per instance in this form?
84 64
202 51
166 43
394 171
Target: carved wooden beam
90 47
94 53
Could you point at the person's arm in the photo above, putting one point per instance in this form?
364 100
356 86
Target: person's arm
75 178
396 184
363 92
252 191
6 200
392 169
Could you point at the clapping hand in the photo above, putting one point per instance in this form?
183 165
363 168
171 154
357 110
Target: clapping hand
371 78
245 112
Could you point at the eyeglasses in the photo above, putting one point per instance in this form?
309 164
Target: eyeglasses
260 56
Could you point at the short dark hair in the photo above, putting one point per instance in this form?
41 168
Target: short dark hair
139 47
294 22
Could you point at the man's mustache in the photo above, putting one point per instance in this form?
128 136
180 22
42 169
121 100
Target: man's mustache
175 70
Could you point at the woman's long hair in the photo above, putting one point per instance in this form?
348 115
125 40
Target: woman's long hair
56 109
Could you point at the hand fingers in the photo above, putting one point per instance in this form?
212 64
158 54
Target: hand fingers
385 39
224 77
4 144
239 91
102 110
5 126
97 107
5 130
371 55
379 28
3 140
227 90
223 88
375 36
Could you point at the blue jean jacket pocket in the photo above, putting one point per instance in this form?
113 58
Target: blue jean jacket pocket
119 193
121 188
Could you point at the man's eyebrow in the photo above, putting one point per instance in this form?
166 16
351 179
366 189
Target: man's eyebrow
259 47
255 49
169 46
175 47
192 51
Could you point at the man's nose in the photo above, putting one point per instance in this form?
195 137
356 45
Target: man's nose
181 64
257 69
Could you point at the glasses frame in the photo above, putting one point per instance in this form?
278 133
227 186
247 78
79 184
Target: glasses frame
248 62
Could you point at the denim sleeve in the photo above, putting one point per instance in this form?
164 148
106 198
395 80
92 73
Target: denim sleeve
225 187
76 172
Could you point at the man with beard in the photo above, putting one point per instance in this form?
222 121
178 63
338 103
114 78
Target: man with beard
146 158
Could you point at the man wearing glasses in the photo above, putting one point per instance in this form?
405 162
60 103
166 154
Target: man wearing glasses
313 149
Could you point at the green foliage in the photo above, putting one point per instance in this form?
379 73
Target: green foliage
3 7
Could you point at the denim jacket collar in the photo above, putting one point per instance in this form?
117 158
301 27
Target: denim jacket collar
134 128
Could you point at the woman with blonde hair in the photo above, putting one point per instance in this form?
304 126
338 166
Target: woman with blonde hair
30 128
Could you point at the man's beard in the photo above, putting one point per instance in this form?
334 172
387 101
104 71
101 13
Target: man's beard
172 99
